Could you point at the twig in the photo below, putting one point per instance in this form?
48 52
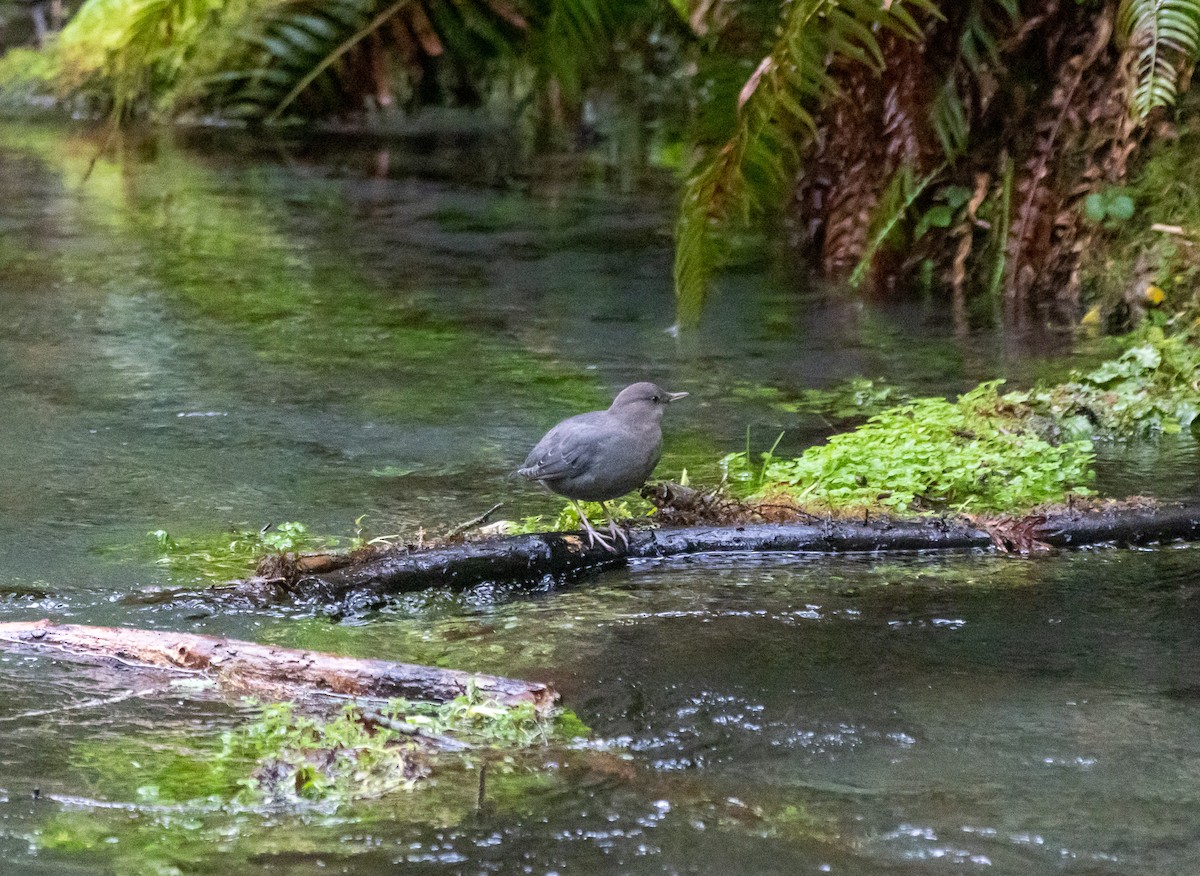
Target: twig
474 521
481 795
1176 230
86 704
438 739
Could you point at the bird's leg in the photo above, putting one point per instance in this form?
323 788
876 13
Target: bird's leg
592 534
615 528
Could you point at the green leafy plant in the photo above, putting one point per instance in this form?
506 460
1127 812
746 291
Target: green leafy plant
981 452
1153 387
987 451
1110 206
945 209
633 508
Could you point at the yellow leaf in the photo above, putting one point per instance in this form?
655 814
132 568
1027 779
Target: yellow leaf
1154 295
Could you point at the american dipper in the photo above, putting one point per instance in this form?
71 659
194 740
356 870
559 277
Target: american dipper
601 455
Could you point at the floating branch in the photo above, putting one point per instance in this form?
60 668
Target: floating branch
264 669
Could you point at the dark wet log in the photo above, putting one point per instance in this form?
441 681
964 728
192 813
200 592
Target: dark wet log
1141 524
560 556
531 559
264 669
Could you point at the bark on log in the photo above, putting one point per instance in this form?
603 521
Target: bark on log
265 669
563 556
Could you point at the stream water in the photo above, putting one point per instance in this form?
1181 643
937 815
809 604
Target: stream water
209 336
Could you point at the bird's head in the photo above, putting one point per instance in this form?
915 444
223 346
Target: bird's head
644 400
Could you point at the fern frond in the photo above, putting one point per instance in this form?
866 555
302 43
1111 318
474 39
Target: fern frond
301 37
978 45
748 176
571 37
983 24
261 54
948 117
898 199
1164 36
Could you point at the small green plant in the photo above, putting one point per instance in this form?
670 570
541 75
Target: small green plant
568 520
1109 207
944 212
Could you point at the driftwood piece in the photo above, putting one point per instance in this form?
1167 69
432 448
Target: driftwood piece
265 669
563 556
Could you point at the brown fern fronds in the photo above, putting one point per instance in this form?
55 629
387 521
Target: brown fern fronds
855 160
907 95
1042 227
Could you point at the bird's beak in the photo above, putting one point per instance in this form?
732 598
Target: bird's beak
676 396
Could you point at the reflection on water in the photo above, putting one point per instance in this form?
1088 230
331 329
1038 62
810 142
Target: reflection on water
198 344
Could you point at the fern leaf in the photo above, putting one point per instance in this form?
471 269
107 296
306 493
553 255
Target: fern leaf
902 193
748 176
1164 38
331 56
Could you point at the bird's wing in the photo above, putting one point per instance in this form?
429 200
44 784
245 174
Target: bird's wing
556 456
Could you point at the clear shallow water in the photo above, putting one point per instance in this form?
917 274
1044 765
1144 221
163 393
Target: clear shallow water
196 343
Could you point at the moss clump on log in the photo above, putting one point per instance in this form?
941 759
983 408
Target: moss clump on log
362 752
988 452
298 757
982 452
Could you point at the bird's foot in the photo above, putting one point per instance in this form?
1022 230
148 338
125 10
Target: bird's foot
618 530
594 538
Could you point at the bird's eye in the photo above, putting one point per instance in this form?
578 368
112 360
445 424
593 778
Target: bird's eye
657 398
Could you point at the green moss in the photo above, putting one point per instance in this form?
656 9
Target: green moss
981 453
284 756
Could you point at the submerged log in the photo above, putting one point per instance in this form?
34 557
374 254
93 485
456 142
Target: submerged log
265 669
561 556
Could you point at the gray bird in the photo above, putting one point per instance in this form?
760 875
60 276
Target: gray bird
601 455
